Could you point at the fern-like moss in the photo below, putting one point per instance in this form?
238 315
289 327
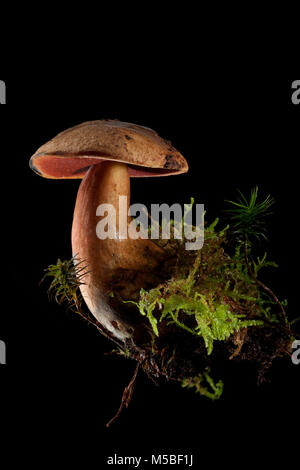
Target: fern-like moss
198 314
205 385
209 294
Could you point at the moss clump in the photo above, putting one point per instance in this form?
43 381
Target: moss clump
208 306
66 280
216 298
208 294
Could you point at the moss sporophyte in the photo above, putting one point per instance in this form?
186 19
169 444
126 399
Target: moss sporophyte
176 313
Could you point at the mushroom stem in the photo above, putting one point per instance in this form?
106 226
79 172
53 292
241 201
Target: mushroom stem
103 184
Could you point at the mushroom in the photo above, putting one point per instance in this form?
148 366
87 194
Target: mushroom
106 154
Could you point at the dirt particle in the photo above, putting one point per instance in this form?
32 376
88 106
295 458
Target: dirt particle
115 325
171 163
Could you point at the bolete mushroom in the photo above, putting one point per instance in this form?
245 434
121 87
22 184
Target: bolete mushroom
106 154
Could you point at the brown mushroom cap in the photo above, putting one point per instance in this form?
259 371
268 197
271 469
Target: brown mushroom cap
72 152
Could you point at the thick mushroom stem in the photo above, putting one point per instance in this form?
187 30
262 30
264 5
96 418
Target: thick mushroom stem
104 258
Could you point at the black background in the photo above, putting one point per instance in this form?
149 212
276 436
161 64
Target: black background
58 388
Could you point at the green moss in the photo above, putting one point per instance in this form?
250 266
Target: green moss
195 307
206 302
209 294
66 280
204 385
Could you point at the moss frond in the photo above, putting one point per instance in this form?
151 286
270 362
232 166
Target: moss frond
204 385
199 316
247 216
67 277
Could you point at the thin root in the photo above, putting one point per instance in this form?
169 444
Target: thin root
127 395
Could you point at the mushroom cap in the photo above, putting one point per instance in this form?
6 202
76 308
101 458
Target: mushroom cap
71 153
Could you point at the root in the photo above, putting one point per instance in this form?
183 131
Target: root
126 397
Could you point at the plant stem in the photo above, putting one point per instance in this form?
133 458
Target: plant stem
261 284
